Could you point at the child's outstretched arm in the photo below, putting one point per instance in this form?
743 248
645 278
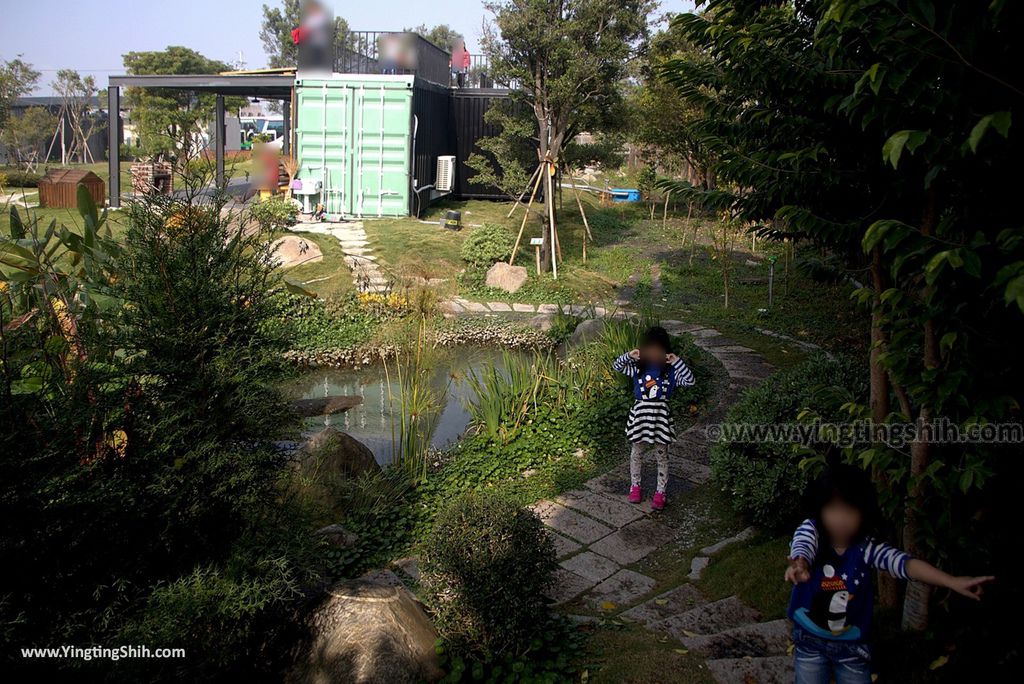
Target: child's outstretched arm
626 364
684 376
802 550
899 564
971 587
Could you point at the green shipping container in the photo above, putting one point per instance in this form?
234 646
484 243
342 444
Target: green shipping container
353 134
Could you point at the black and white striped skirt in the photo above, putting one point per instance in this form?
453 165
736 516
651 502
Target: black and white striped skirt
650 422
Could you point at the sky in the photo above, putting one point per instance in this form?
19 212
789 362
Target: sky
92 36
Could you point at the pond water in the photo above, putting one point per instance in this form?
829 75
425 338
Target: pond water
371 421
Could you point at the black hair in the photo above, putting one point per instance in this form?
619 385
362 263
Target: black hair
849 484
657 336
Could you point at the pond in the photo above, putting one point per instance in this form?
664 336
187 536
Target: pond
371 421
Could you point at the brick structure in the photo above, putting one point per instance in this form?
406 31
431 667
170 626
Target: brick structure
152 177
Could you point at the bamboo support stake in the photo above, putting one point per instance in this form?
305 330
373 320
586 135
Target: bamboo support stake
522 226
586 224
551 215
519 199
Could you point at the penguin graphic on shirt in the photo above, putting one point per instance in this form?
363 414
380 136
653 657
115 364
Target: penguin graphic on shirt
830 603
651 386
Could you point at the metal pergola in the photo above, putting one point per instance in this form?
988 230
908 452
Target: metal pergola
268 86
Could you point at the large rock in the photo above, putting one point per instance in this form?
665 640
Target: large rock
331 450
506 277
325 406
368 633
337 535
587 331
295 250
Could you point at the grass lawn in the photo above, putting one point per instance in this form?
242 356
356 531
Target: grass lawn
328 278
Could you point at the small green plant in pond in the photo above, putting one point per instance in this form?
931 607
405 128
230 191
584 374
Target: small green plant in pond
504 395
418 409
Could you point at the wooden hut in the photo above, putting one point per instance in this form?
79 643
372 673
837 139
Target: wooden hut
59 188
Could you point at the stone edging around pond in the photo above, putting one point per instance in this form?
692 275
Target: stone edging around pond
462 307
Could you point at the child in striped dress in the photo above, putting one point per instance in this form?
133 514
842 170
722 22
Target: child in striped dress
831 564
655 372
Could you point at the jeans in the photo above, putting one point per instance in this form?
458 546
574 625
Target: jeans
819 660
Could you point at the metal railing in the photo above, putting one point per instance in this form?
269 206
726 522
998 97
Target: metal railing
392 52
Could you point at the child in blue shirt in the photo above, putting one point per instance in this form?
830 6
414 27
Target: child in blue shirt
830 566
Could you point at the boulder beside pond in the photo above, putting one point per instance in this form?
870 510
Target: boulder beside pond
368 633
325 406
295 250
587 331
331 450
506 277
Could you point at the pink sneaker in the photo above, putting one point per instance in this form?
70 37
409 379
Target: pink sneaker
658 501
634 494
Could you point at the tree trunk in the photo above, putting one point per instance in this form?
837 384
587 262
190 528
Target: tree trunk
915 603
888 588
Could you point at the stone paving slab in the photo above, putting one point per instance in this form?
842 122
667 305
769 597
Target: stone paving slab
753 640
697 566
770 670
572 524
710 618
567 586
524 308
410 566
548 308
698 473
679 600
563 545
607 510
614 483
634 541
621 589
590 566
498 306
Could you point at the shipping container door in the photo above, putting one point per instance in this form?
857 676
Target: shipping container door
322 139
381 150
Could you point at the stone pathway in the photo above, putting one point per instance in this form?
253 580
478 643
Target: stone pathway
359 258
598 535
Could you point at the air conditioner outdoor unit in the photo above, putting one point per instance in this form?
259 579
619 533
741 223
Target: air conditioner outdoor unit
445 173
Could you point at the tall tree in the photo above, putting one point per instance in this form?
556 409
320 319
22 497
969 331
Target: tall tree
26 136
881 130
17 79
441 35
567 59
76 94
170 121
276 33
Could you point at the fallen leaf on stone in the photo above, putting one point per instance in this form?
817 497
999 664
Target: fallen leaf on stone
661 602
608 605
689 633
680 651
790 649
938 662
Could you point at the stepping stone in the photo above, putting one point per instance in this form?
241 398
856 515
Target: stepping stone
744 535
600 311
572 524
474 307
563 545
697 566
548 308
567 586
605 509
634 541
710 618
701 333
498 306
754 640
769 670
698 473
624 588
679 600
524 308
735 348
451 307
614 482
590 566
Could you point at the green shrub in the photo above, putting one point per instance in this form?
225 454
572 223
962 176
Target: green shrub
487 245
20 179
274 213
764 480
488 563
